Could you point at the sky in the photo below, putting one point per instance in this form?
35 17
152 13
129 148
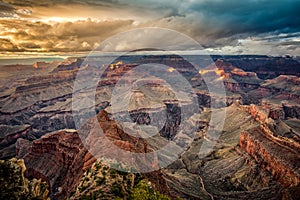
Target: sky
76 27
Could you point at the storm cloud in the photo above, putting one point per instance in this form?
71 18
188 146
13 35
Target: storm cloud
231 26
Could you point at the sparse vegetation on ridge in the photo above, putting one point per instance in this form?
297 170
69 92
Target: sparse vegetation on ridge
14 185
103 182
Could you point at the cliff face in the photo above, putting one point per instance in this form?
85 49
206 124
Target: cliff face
69 65
260 115
273 111
277 154
292 111
8 137
121 139
267 67
59 158
10 134
280 160
277 114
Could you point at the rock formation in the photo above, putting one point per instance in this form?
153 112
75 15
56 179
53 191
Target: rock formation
59 158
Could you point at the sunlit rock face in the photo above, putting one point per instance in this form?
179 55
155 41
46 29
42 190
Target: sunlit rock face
274 145
60 158
279 160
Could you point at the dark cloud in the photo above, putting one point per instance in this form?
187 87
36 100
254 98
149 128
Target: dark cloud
278 37
7 45
253 16
215 24
5 7
235 18
6 10
291 43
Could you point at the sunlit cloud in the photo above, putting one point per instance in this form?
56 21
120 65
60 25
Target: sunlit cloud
222 27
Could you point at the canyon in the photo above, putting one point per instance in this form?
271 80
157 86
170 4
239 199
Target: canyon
255 156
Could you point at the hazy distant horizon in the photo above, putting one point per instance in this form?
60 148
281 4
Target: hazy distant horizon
28 61
32 60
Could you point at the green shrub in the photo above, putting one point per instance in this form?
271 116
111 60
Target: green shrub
100 181
144 191
117 190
